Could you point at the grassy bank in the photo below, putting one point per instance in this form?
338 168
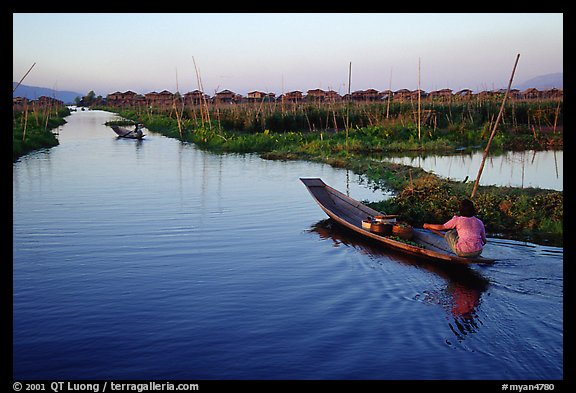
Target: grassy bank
523 214
377 126
32 130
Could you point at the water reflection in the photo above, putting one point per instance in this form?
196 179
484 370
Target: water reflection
530 168
464 286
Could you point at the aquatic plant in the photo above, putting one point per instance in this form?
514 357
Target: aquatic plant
32 129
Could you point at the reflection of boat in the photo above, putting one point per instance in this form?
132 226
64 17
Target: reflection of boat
126 133
350 213
459 298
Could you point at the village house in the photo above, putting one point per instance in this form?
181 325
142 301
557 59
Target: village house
365 95
553 93
255 95
319 95
531 94
293 96
357 95
442 94
226 96
258 96
118 99
19 103
113 97
162 99
316 95
402 94
371 95
195 97
515 93
332 96
423 94
385 94
45 101
486 94
464 93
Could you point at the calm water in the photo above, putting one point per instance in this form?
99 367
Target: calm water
542 169
154 260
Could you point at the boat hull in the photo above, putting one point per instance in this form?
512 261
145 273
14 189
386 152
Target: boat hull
350 213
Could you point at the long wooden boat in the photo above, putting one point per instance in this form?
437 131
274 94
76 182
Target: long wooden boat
127 133
349 213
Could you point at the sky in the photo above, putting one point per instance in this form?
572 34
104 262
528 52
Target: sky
281 52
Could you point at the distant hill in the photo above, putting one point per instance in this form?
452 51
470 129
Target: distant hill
33 92
543 82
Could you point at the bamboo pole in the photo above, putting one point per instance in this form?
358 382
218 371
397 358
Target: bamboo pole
25 75
47 109
389 94
177 119
176 108
418 98
494 129
25 124
556 115
282 96
36 112
205 101
348 105
201 92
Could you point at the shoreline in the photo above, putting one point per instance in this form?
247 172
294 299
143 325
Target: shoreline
524 214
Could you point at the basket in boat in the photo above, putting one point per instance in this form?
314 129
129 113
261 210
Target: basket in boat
402 230
381 228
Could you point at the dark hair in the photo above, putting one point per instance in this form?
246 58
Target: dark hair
467 208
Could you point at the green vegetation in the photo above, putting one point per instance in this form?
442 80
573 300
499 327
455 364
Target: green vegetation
374 127
523 214
32 130
317 132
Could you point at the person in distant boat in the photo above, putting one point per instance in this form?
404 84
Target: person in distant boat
465 234
138 131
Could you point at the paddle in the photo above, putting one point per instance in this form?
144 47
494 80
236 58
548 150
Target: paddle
437 232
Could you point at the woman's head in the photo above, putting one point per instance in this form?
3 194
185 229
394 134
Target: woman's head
467 208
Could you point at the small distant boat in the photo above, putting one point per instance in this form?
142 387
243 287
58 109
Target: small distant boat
351 214
127 133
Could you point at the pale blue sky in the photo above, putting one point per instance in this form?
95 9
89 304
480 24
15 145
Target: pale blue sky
278 52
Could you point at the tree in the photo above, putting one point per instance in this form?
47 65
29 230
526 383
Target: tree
88 100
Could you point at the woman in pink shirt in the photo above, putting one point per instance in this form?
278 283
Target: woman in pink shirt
466 235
